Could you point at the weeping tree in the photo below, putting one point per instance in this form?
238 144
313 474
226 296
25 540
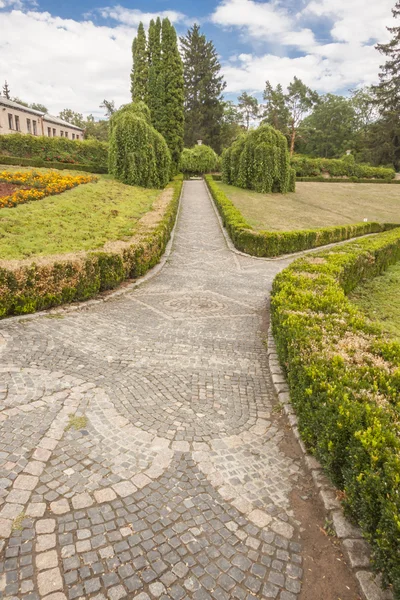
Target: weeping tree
260 161
198 160
138 154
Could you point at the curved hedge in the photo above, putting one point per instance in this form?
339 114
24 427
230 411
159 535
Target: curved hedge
276 243
344 380
138 154
198 160
259 160
58 149
41 286
306 166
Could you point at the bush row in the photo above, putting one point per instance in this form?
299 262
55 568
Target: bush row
348 180
344 380
38 162
344 167
57 149
276 243
39 286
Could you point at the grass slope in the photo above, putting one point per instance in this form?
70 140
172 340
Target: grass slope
317 205
83 218
379 299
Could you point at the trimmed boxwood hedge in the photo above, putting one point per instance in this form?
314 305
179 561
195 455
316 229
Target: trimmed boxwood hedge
60 150
349 180
306 166
344 379
38 162
28 289
276 243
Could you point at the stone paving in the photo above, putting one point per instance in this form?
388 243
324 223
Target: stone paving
174 484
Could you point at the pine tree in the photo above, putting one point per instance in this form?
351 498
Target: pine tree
140 68
204 85
155 87
276 112
6 91
172 117
248 106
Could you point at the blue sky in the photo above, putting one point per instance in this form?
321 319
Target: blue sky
75 53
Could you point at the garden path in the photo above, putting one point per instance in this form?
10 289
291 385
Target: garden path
178 485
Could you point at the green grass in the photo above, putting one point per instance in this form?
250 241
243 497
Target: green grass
83 218
379 299
315 205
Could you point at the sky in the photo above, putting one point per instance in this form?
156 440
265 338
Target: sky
74 53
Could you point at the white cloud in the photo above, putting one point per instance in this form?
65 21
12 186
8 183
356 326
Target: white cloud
132 16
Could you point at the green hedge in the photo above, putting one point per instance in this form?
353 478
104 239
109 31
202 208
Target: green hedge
37 162
276 243
259 160
344 380
349 180
57 149
37 287
198 160
344 167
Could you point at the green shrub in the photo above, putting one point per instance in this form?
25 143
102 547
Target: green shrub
348 180
276 243
333 167
27 289
54 150
259 160
38 162
344 380
198 160
138 154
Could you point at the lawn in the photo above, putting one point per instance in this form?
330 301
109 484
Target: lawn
316 205
83 218
379 299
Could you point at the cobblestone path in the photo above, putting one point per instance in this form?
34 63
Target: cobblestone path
175 487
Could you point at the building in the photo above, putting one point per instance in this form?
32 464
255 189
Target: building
16 118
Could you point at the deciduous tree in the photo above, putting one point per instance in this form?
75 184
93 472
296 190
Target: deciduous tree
248 107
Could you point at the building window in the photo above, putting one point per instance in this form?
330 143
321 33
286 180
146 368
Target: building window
73 136
66 134
17 126
77 136
28 125
10 121
54 133
61 133
34 127
49 132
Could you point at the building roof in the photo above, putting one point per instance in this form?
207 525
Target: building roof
48 118
58 121
11 104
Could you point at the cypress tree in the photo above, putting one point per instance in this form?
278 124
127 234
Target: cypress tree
155 82
140 68
204 85
172 117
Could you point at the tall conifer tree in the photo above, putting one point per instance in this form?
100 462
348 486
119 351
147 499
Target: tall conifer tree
155 82
172 118
204 85
140 68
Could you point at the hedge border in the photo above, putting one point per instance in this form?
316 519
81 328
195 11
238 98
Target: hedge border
270 244
38 163
347 180
344 381
36 287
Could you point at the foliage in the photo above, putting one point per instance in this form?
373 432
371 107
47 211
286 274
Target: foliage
39 162
198 160
155 87
27 289
248 107
40 107
72 117
172 122
345 167
140 68
40 185
231 126
6 90
109 106
331 128
57 149
204 85
259 160
344 383
138 154
276 112
276 243
96 130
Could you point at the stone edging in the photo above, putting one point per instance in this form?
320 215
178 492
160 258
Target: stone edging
123 289
355 547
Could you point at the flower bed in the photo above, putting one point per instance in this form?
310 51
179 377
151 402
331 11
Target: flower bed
39 185
344 380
